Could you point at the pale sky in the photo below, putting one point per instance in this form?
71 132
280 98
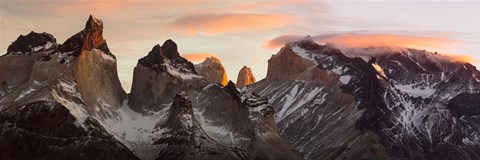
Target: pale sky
239 32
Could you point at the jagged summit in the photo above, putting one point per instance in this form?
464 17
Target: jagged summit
32 42
91 37
183 138
169 49
245 77
159 76
94 35
212 70
166 58
232 91
180 113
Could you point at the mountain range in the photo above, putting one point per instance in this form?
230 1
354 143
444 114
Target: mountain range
65 101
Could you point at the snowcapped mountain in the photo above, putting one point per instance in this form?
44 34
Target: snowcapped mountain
158 78
402 104
67 103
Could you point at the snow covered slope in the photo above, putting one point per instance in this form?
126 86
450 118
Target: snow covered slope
403 105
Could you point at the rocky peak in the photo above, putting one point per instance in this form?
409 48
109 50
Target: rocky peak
166 58
181 112
212 70
245 77
182 136
169 49
308 61
93 34
91 37
181 104
232 91
32 42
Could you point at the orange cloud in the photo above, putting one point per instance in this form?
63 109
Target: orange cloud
366 40
352 41
197 57
86 6
219 23
462 58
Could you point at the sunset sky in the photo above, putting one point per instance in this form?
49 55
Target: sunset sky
248 32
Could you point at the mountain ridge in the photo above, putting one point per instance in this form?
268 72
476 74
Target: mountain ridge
316 102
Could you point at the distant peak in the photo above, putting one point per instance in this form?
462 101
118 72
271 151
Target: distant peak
245 77
212 70
211 60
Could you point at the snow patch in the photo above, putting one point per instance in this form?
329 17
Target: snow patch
135 130
47 46
108 57
76 110
175 72
24 93
345 79
69 87
303 53
292 102
423 92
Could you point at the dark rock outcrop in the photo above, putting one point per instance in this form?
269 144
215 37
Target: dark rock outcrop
32 42
183 138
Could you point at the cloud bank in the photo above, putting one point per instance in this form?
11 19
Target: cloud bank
197 57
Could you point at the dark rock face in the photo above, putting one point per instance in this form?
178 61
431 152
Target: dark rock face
465 104
244 121
32 42
89 38
184 138
46 130
392 107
